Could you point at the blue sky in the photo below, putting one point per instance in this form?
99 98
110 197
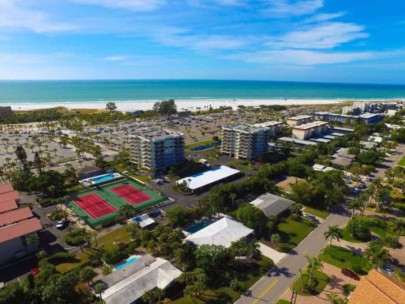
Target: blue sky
297 40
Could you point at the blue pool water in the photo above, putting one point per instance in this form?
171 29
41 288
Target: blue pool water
103 178
207 146
127 262
198 226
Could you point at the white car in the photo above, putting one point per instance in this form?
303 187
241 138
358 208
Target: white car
61 224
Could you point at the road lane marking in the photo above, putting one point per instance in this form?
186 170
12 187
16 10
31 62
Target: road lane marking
266 291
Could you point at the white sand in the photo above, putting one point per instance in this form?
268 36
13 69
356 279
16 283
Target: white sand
192 105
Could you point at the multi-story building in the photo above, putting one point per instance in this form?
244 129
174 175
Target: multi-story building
312 129
5 112
367 118
275 127
244 141
18 227
299 120
156 149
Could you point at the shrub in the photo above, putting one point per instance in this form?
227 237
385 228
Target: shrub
391 241
359 229
113 255
107 269
348 288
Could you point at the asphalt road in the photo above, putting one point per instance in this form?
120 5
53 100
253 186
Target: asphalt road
269 289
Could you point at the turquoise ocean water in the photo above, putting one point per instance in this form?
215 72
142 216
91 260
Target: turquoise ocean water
42 92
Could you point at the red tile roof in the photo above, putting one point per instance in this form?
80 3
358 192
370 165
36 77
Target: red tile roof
7 196
15 216
19 229
8 205
6 188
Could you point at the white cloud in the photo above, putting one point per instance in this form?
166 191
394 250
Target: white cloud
13 15
321 36
136 5
291 8
302 57
177 37
324 17
115 58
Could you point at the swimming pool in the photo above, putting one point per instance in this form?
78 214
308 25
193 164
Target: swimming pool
100 179
198 226
128 261
207 146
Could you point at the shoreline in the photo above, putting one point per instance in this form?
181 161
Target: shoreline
186 104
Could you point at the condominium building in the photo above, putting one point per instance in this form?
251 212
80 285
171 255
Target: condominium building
367 118
299 120
275 127
156 149
309 130
244 141
18 227
5 112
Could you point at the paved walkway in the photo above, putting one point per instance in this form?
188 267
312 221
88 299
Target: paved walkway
269 289
336 283
271 253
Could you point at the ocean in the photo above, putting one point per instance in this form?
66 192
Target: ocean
41 93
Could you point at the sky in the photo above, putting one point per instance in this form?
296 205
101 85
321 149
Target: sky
351 41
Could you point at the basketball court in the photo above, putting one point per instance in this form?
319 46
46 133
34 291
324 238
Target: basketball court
131 194
94 205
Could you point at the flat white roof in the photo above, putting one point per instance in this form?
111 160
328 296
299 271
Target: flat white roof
222 232
205 178
143 220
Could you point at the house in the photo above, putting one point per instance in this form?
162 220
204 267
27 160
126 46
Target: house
222 232
286 184
143 220
18 227
271 204
342 158
378 288
322 168
128 284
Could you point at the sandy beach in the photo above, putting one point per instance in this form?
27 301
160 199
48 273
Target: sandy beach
192 105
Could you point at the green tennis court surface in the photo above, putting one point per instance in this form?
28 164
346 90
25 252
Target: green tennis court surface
109 193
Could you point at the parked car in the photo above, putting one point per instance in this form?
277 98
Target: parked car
61 225
350 274
155 213
311 217
35 271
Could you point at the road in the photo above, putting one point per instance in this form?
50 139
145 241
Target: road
269 289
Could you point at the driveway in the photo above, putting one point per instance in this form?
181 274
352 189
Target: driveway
270 289
390 161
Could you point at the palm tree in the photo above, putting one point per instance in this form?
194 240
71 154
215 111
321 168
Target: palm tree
354 205
398 226
333 233
334 298
233 196
314 264
376 254
296 208
126 211
275 238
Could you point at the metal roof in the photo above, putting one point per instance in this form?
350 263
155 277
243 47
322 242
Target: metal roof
272 204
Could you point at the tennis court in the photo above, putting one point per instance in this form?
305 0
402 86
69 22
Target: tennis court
94 205
100 205
130 194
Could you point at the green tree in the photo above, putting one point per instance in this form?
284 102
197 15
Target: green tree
99 289
333 233
314 264
87 274
398 226
252 217
275 239
126 211
38 162
153 296
376 254
178 216
210 257
111 106
196 282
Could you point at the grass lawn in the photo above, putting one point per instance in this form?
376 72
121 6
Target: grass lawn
348 237
108 240
293 232
318 284
320 213
142 178
81 258
344 258
244 164
199 143
402 162
283 302
222 295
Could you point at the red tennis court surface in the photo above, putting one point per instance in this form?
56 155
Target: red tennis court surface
94 205
130 194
